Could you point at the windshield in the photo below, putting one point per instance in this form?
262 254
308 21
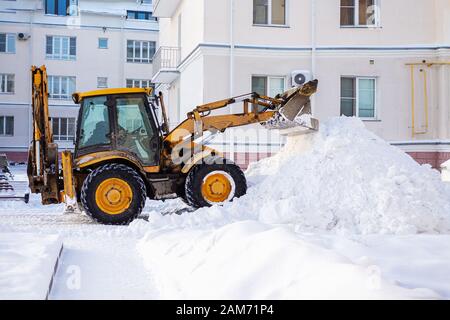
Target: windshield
94 127
135 132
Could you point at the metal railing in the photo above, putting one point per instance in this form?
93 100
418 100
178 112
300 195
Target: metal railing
166 58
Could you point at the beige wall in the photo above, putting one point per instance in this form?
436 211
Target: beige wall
403 22
408 32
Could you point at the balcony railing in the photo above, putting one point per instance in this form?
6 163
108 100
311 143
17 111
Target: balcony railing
165 64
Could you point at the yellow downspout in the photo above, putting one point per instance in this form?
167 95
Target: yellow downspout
413 102
425 88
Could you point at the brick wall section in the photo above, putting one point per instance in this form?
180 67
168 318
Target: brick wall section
17 156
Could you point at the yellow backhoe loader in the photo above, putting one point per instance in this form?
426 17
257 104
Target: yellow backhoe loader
124 153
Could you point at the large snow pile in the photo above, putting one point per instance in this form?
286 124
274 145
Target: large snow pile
349 180
252 260
343 179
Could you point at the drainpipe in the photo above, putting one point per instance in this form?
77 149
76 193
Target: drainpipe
30 63
122 52
313 47
232 149
443 101
231 48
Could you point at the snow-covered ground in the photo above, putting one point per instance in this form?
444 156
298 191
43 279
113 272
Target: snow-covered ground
352 218
27 264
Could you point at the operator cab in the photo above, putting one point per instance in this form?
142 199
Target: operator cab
118 119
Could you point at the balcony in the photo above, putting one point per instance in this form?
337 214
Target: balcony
165 8
165 65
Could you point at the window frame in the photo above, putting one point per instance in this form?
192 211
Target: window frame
141 47
4 77
68 5
51 94
57 136
268 87
7 37
106 82
61 56
268 77
377 13
375 96
4 134
107 43
136 13
269 16
149 81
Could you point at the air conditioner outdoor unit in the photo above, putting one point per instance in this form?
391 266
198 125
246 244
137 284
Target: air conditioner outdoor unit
300 77
23 36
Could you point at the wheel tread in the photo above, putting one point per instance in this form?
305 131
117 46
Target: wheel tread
113 167
193 194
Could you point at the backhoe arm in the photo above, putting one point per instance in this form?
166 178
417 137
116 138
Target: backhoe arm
43 168
256 109
282 109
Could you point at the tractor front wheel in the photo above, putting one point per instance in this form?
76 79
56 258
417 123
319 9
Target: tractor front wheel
216 183
113 194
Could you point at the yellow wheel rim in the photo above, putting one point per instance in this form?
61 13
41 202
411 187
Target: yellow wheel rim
113 196
217 187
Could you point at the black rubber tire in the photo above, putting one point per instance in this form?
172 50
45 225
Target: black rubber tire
113 170
195 177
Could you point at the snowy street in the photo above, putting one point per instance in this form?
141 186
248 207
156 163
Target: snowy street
98 262
108 262
286 243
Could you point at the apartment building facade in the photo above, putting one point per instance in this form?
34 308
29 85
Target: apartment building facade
386 62
84 44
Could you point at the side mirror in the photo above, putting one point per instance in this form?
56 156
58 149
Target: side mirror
156 100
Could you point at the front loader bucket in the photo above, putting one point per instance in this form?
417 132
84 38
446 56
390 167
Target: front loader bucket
294 116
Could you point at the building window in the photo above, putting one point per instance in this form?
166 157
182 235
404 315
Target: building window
146 1
359 13
358 97
7 43
6 126
61 48
140 51
269 12
137 83
61 7
140 15
61 87
63 129
102 82
268 86
103 43
6 83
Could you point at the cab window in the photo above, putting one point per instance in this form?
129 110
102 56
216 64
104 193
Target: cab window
135 132
94 127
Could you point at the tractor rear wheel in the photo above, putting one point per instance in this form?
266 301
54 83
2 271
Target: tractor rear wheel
113 194
216 183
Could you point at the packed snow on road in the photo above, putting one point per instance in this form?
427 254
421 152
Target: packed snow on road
336 214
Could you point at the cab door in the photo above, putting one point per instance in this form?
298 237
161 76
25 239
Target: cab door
135 129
